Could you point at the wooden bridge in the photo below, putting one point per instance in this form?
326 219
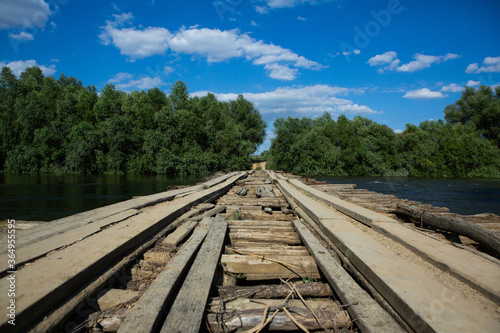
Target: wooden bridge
248 251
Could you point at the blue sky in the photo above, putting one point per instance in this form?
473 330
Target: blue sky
393 61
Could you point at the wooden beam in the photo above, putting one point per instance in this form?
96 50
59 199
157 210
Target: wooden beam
149 311
369 315
187 311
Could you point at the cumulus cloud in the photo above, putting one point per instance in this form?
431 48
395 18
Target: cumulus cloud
128 82
424 61
22 36
424 94
453 87
302 100
20 66
490 65
390 61
22 14
472 83
214 45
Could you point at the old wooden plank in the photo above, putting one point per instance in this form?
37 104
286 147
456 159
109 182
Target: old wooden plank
253 267
148 313
369 315
35 250
275 251
290 238
179 234
187 311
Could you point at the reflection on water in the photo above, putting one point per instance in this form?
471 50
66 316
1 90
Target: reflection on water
462 196
46 198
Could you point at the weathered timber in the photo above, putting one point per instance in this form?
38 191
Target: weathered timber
149 311
242 191
38 249
63 273
369 315
411 294
252 223
483 236
115 271
179 234
236 319
212 212
315 289
187 311
237 235
273 251
479 271
256 268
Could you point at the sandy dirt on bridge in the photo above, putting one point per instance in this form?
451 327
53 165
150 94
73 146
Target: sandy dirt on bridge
262 165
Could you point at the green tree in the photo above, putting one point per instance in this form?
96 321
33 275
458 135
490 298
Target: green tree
479 108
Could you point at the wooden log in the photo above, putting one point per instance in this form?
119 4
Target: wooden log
147 313
210 213
242 191
483 236
248 319
187 311
315 289
267 250
179 234
257 268
290 238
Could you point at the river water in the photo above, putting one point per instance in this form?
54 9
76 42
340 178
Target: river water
46 198
462 196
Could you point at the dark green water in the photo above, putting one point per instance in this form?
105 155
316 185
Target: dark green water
461 196
46 198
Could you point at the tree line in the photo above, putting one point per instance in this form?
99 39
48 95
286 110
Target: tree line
50 125
465 145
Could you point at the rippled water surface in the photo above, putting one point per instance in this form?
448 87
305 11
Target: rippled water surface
46 198
462 196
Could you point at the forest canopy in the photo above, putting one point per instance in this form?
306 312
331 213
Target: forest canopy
466 145
61 126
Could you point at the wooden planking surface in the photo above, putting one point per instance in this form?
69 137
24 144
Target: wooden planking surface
369 315
187 311
61 273
148 312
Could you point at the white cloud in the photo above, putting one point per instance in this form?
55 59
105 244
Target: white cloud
128 82
453 87
472 83
302 100
424 61
22 36
278 4
253 24
19 66
398 131
382 59
424 94
388 58
134 43
491 65
391 62
300 18
24 14
281 72
212 44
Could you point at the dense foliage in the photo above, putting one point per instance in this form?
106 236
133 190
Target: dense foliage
464 146
49 125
